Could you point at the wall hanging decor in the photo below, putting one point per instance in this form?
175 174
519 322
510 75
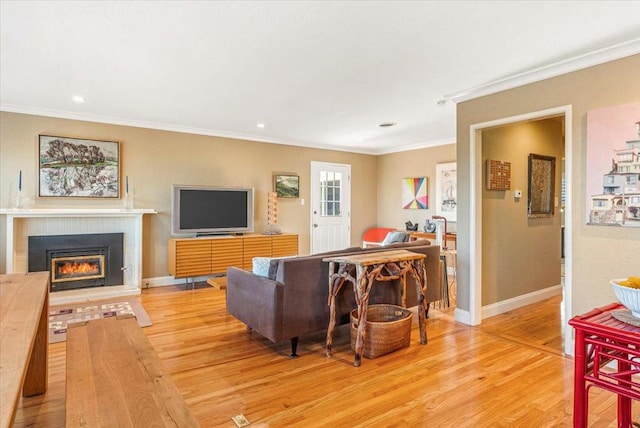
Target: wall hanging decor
78 167
498 175
415 193
286 186
613 166
446 190
542 182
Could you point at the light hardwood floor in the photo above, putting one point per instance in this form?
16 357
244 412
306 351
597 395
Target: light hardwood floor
509 372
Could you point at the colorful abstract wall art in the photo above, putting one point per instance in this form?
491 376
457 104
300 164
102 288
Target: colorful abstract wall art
415 193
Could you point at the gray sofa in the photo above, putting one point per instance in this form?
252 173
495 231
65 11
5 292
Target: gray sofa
292 301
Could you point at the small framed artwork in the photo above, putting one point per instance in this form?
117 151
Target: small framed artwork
542 174
286 186
78 167
498 175
415 193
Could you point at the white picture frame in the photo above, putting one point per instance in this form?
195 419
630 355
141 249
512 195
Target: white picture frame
446 201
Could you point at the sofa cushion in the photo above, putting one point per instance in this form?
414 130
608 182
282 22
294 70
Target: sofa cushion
396 236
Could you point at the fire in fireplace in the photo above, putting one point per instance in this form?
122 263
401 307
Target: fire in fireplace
78 261
77 268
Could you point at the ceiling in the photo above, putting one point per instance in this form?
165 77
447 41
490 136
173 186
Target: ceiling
320 74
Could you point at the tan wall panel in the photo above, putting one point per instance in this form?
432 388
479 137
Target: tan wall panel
154 160
396 166
520 255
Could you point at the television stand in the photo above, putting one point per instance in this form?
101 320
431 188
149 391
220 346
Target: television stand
210 255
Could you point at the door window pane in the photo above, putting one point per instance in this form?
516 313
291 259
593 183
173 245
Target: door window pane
330 183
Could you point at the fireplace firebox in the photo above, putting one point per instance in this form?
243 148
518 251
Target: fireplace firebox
78 261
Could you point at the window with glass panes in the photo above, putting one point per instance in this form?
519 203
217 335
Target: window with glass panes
330 184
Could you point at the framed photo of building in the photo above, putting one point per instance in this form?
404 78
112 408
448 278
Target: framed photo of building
78 167
613 166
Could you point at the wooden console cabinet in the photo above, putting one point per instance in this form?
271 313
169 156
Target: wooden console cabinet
191 257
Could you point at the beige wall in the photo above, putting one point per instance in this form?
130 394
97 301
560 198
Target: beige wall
154 160
520 255
599 253
392 168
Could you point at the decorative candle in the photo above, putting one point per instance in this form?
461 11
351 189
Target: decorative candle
20 181
126 184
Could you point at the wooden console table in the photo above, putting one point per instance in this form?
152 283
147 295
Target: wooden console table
451 237
24 337
371 267
601 339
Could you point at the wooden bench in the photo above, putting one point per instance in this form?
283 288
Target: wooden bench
115 378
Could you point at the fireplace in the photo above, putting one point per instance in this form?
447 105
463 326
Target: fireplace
78 261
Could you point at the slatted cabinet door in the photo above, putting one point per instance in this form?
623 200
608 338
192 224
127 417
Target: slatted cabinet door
284 245
255 246
192 258
225 252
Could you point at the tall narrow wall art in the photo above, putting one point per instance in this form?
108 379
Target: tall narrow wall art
447 190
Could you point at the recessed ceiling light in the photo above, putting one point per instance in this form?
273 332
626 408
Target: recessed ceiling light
387 124
79 99
261 125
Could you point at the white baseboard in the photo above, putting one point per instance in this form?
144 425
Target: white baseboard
520 301
462 316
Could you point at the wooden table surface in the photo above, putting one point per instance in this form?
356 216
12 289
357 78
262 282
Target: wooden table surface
374 258
115 379
24 312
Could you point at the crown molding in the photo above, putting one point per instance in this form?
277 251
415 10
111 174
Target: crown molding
600 56
424 145
61 114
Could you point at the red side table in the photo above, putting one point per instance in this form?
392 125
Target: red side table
601 339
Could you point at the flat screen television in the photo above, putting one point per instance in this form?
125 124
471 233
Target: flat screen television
207 210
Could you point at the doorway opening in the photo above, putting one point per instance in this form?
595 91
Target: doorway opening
477 311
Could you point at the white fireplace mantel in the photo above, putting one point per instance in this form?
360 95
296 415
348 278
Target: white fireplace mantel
22 223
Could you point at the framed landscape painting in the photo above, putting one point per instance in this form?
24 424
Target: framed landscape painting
78 167
287 186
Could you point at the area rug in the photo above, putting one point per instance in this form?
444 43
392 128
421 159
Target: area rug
60 316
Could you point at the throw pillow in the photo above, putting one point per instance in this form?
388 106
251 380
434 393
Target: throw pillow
261 266
266 266
396 236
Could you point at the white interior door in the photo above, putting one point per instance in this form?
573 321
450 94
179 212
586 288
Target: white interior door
330 206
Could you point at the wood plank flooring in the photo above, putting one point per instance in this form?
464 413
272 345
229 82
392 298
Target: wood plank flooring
487 376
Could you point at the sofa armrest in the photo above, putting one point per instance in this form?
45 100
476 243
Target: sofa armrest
256 301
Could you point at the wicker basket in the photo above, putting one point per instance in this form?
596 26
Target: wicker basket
388 329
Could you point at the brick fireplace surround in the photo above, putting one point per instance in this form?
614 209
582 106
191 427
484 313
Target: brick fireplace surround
22 223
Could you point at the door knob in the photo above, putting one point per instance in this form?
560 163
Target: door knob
315 225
